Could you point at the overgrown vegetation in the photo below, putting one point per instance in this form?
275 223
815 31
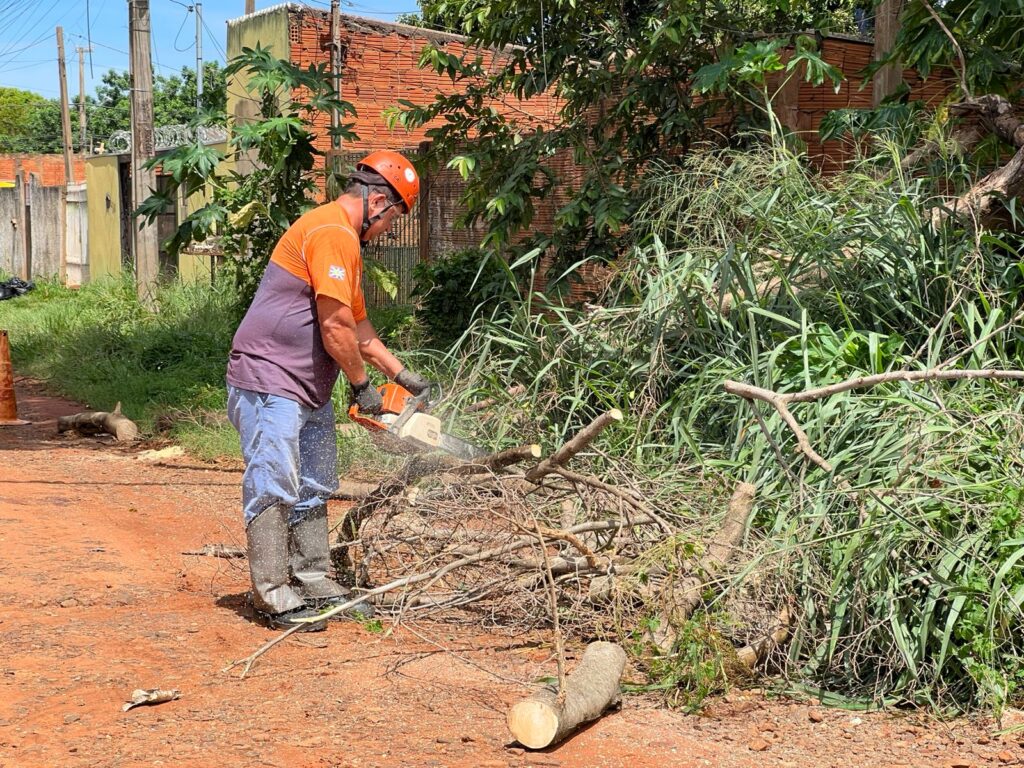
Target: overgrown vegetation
902 564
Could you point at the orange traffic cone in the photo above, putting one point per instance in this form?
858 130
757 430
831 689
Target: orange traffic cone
8 405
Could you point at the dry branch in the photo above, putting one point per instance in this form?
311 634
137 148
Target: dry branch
983 203
352 490
432 576
679 599
542 719
499 460
780 400
574 445
964 139
997 114
93 422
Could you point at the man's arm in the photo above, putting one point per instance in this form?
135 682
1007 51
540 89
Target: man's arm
351 343
374 352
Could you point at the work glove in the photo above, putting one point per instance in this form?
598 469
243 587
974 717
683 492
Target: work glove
367 397
412 381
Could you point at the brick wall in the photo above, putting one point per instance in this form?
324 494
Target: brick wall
49 168
814 102
381 66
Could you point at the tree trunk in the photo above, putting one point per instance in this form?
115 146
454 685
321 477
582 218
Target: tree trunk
679 600
547 716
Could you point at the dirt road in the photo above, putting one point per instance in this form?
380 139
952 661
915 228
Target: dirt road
99 600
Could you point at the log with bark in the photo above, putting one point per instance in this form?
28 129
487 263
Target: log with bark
548 715
94 422
983 204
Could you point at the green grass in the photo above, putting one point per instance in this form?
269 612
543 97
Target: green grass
99 346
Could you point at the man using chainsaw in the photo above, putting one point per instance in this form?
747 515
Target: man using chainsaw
306 323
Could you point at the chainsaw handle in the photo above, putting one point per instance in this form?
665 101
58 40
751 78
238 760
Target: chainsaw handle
430 390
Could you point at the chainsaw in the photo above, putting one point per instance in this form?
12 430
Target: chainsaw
405 425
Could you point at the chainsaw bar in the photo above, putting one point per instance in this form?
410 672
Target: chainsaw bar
405 427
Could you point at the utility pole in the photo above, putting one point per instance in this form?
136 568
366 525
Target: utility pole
145 248
65 112
250 7
887 27
81 99
199 56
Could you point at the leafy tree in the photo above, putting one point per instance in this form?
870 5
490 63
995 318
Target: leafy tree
247 212
174 99
621 72
35 121
17 110
986 32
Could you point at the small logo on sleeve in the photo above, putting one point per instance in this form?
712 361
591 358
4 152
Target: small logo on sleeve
336 273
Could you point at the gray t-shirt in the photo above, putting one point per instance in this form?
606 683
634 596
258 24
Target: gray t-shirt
277 348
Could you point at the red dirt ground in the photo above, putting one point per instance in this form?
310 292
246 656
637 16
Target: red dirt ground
99 600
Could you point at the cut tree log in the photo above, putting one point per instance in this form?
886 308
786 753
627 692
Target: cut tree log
752 655
93 422
499 460
681 598
547 716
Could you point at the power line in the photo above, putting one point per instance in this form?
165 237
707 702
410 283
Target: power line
188 12
216 42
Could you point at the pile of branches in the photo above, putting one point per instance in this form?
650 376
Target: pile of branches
521 542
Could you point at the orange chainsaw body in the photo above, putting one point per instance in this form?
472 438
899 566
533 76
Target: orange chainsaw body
405 426
395 400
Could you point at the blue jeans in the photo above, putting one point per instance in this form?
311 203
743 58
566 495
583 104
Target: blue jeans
290 452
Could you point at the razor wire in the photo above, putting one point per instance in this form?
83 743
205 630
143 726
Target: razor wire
171 136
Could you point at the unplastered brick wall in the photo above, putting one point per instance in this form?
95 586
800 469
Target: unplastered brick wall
49 169
380 66
851 57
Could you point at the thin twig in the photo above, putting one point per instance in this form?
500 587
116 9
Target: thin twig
956 47
556 628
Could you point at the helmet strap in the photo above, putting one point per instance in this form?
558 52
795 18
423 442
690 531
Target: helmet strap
366 210
369 221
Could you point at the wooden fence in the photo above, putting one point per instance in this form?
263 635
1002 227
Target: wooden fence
32 234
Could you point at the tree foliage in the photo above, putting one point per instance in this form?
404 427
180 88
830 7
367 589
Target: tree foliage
620 74
989 33
17 109
247 211
35 120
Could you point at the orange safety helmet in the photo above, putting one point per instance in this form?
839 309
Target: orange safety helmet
397 171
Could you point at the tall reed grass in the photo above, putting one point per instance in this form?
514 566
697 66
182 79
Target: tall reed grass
903 566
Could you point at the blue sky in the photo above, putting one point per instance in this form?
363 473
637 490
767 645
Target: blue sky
28 43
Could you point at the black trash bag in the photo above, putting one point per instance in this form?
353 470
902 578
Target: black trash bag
11 289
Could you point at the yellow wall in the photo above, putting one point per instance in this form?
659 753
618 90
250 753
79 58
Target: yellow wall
268 29
104 206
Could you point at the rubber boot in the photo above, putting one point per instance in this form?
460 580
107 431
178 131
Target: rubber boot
310 555
276 603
